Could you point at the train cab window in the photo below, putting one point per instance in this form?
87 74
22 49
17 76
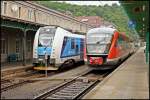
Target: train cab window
98 43
46 36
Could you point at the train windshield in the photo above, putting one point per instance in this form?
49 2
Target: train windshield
98 43
46 36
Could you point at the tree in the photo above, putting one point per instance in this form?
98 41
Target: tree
114 13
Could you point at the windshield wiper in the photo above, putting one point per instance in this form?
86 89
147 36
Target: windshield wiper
99 42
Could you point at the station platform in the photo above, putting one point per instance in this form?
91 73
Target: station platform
14 67
129 81
8 68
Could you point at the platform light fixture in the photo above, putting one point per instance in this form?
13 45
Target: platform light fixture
143 25
143 19
143 28
143 7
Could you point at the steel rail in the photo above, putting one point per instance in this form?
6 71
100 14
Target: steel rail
73 89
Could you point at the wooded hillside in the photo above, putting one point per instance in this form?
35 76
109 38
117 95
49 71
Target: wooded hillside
114 13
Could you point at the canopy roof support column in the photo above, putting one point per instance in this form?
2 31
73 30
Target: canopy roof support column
147 47
24 47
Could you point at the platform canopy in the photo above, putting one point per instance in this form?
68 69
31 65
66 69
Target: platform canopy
138 13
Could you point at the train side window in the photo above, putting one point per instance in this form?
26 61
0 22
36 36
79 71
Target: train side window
77 48
120 40
72 43
82 46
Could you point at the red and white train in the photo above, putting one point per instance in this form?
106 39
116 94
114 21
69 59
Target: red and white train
106 46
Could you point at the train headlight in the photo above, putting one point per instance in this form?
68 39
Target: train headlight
100 60
91 60
96 60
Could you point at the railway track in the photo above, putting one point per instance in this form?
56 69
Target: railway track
7 84
21 79
13 82
72 89
11 86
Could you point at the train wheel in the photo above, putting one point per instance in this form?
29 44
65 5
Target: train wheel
35 64
79 63
67 64
119 61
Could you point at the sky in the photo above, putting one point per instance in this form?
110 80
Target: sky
91 2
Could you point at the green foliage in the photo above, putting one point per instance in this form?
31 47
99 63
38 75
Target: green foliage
114 13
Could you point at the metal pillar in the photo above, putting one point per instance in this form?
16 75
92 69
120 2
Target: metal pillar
24 47
147 48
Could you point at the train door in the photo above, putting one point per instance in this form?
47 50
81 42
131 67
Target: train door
77 46
77 49
82 49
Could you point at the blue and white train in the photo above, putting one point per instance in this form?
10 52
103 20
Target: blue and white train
58 46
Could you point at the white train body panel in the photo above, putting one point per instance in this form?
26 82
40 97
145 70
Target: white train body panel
60 47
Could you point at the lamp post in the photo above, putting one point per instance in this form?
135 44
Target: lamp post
45 63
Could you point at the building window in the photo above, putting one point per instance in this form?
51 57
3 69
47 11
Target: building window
35 15
80 27
19 12
5 7
49 19
17 46
2 7
29 13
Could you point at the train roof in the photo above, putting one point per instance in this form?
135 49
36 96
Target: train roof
56 26
68 33
102 30
50 26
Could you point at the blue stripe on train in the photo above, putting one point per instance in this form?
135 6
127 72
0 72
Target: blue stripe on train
41 50
71 47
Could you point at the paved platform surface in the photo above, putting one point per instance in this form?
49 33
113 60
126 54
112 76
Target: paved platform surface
14 66
129 81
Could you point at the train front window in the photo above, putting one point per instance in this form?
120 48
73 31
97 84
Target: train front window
46 36
98 43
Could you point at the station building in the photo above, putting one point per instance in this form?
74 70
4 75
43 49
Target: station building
19 23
